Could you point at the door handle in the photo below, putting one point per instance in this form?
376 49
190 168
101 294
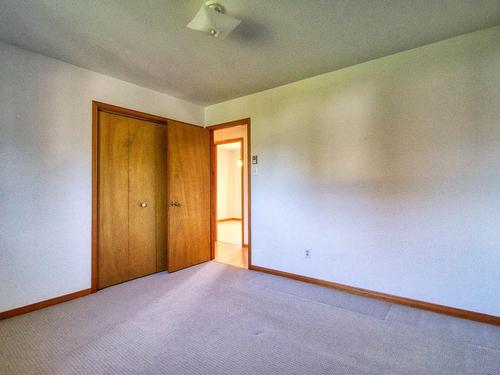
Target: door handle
175 204
143 204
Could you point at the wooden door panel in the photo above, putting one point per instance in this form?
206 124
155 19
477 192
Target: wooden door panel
161 198
113 200
142 198
188 149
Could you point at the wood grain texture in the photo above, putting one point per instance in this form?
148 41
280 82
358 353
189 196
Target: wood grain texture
113 200
142 189
441 309
126 112
95 197
213 194
188 155
161 198
249 187
230 124
43 304
97 109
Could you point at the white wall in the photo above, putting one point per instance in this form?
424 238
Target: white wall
389 171
45 169
228 184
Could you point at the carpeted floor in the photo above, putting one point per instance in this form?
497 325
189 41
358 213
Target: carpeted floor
217 319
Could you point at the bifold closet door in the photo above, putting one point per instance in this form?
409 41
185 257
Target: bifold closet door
142 198
188 192
113 200
132 198
147 198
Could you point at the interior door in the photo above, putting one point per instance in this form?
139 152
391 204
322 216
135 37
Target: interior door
188 191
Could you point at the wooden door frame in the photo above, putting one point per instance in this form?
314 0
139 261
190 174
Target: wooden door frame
213 166
109 108
242 190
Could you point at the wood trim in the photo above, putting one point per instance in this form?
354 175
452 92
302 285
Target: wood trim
230 124
110 108
441 309
95 195
229 219
249 194
104 107
242 184
213 193
226 141
43 304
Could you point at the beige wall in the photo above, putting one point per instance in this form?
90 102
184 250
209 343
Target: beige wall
232 133
389 171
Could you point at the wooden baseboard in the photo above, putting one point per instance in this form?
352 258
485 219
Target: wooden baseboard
229 219
42 304
441 309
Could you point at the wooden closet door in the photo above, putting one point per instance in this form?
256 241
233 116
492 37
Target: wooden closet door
132 199
161 198
142 198
188 191
113 200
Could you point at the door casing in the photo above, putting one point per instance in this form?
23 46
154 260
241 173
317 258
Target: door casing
213 176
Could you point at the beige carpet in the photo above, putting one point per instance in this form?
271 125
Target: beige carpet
217 319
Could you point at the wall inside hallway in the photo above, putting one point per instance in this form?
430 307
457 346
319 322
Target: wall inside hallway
229 193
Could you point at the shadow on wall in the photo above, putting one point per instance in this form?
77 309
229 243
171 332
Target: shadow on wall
400 162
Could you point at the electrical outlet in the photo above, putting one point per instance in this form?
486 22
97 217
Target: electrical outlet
307 253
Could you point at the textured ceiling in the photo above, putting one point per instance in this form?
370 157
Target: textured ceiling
147 43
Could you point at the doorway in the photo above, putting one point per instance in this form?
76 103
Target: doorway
230 193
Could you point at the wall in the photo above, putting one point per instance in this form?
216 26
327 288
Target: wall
389 171
45 169
232 133
228 184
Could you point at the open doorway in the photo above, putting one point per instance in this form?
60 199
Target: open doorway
230 194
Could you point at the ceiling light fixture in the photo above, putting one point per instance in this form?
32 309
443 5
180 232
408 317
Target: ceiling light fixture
211 19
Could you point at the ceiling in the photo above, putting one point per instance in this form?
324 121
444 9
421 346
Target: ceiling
279 41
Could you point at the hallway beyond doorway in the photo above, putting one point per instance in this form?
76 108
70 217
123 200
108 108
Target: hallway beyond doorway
228 248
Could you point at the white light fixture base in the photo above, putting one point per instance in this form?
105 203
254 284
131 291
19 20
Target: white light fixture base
211 19
216 6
